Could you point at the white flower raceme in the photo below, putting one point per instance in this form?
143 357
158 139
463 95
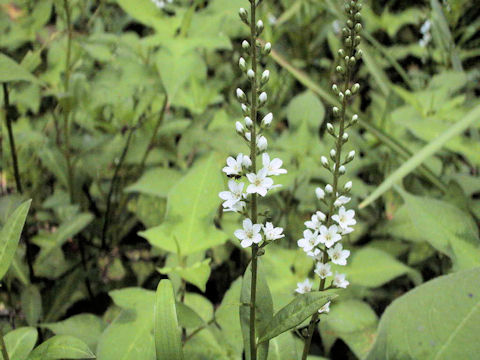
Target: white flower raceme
329 236
338 255
325 308
233 196
316 221
235 166
304 287
260 183
323 270
309 241
274 166
345 218
250 233
339 281
271 232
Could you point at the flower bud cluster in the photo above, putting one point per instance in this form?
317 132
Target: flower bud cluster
243 167
325 230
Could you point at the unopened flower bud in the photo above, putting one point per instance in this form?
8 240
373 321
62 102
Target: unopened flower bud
242 64
243 15
348 93
335 88
265 77
248 122
239 127
319 193
250 74
246 162
245 45
355 88
359 54
354 119
350 23
345 137
348 186
352 61
358 27
339 69
241 96
333 153
341 96
329 189
259 27
267 119
350 156
245 110
267 48
341 52
330 129
263 98
262 143
336 111
357 40
325 162
342 170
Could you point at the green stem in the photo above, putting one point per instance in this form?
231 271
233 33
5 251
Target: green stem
336 176
4 347
11 139
253 157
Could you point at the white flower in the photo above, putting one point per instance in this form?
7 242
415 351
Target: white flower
260 183
315 254
268 47
348 186
159 3
304 287
267 119
324 161
246 162
265 77
329 236
425 28
342 200
238 206
338 255
250 74
323 270
234 166
319 193
339 281
234 195
241 95
316 221
245 45
309 241
328 189
271 232
242 63
325 308
249 234
345 218
263 97
273 167
239 127
262 143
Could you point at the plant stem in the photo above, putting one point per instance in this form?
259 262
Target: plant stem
13 152
4 348
253 157
335 176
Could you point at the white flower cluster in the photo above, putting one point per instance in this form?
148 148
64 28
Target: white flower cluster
259 182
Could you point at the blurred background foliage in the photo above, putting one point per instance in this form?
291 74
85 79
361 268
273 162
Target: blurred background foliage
123 111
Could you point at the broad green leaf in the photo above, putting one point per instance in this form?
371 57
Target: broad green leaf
373 268
283 347
156 182
197 274
10 70
354 322
10 235
134 298
427 151
31 304
438 320
128 337
86 327
293 314
20 342
307 108
192 203
168 344
61 347
264 310
187 317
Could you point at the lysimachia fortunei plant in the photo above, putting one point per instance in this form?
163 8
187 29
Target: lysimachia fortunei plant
322 240
251 175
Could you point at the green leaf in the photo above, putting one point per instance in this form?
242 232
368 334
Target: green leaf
10 70
294 313
305 107
437 320
31 304
192 204
10 235
264 310
61 347
427 151
187 317
168 344
86 327
196 274
20 342
354 322
372 267
157 182
128 337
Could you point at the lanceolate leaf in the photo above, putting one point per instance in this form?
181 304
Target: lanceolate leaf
439 320
10 235
167 332
20 342
293 314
